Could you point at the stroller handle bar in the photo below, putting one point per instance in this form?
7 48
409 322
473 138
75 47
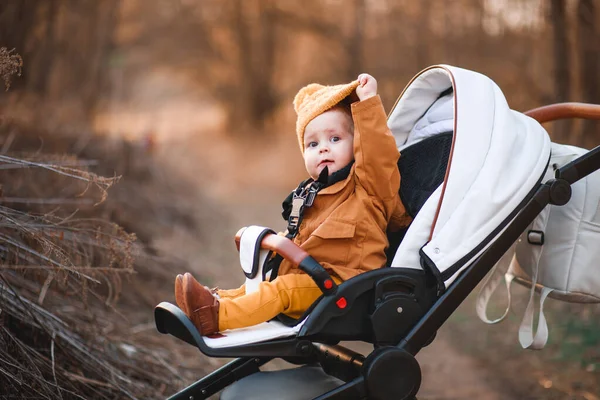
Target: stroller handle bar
280 245
556 111
586 164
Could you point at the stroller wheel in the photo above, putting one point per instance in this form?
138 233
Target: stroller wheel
392 374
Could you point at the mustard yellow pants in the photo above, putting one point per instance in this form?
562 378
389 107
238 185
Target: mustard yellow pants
290 294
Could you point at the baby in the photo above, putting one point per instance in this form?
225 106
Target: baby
350 153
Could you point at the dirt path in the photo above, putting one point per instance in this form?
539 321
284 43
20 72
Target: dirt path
449 374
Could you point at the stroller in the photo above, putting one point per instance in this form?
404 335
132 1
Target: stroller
472 178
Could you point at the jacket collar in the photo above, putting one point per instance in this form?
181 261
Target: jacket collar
336 177
332 184
338 180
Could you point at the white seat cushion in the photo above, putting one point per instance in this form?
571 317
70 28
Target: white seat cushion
252 334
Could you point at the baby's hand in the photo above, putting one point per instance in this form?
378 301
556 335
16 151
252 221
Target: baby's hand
367 86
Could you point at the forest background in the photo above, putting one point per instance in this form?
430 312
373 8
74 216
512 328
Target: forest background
136 136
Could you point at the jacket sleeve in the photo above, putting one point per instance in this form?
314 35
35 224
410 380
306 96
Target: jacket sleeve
375 152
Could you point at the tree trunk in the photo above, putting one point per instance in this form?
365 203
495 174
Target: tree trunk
421 26
558 21
354 46
40 62
263 100
102 44
17 20
587 47
240 113
255 97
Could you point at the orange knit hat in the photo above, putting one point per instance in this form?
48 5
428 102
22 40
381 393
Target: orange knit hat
314 99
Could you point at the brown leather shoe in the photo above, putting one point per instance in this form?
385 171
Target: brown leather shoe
202 306
179 298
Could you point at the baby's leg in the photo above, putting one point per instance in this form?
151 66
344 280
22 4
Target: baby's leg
231 293
289 294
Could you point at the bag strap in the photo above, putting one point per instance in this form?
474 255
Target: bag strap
526 336
491 283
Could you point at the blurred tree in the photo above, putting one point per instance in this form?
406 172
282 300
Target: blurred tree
65 45
355 42
422 27
252 47
588 50
562 80
17 22
255 33
251 56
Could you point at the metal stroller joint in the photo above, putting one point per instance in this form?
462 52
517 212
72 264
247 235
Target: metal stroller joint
560 192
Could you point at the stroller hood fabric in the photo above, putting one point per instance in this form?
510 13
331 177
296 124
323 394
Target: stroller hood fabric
498 156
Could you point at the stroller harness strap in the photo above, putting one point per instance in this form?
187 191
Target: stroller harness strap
293 209
302 197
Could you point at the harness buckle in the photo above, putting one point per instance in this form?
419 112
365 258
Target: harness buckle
297 206
310 196
300 201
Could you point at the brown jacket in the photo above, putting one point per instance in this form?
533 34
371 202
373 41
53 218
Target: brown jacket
345 229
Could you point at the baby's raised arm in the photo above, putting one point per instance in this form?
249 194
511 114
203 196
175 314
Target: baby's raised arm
367 87
375 151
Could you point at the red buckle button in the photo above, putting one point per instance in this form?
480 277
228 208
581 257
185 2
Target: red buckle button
341 302
328 284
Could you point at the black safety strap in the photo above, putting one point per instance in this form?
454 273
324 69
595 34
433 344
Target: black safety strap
299 200
303 197
273 266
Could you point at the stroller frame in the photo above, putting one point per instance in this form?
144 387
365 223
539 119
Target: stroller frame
391 370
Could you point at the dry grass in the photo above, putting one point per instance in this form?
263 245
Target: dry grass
10 64
76 289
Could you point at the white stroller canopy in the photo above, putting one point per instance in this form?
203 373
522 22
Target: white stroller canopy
498 156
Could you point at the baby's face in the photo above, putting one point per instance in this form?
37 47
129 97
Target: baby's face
328 142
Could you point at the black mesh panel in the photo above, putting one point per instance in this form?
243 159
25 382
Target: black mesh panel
422 169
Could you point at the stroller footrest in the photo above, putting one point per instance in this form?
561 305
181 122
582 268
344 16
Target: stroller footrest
276 340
